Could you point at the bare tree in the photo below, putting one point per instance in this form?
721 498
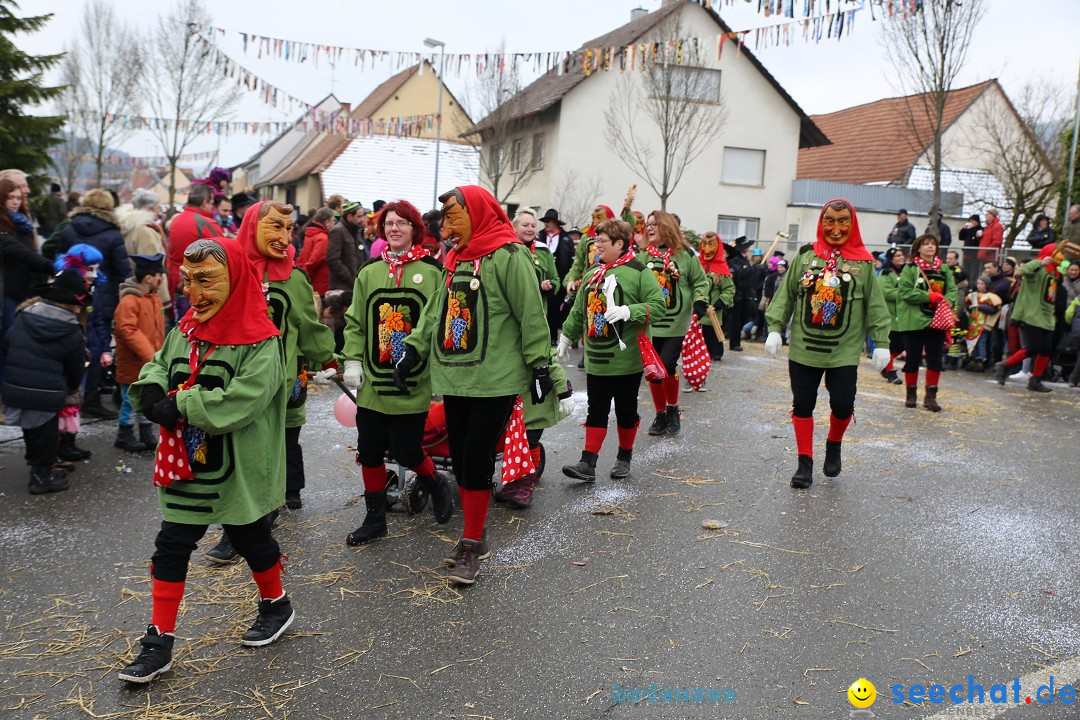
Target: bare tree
507 142
1022 143
574 194
104 69
74 145
189 87
686 107
926 50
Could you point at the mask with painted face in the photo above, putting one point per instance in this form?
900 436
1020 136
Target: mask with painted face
709 245
639 223
456 224
273 234
206 283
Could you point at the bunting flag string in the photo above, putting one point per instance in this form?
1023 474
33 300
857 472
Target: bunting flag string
130 160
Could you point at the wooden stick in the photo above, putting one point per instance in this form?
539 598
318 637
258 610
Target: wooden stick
776 240
711 312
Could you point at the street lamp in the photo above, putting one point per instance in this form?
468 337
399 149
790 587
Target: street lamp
433 43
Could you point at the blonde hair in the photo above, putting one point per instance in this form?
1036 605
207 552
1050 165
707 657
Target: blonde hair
524 211
98 199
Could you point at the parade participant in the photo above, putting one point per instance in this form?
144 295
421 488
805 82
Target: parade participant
610 319
139 327
585 256
685 288
217 389
832 297
721 292
487 339
924 283
387 300
742 304
1033 311
984 309
543 261
888 279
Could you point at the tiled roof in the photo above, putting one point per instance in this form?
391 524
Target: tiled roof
878 142
392 168
550 88
378 97
317 157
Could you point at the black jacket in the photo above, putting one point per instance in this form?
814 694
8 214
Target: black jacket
45 357
1041 237
945 232
969 236
23 267
741 275
345 254
563 254
903 234
100 229
758 273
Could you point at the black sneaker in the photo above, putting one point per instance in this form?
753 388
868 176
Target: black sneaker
584 469
442 497
659 425
1001 373
1035 384
223 553
674 422
47 480
275 616
292 500
154 659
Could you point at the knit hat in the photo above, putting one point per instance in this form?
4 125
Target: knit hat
349 208
67 287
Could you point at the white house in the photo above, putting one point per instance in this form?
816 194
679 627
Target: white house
740 185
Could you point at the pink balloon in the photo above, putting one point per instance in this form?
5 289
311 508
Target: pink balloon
345 411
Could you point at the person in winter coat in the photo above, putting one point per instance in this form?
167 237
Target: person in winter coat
888 280
1041 234
55 210
142 233
345 248
312 258
972 232
196 222
46 354
139 325
903 232
992 238
743 300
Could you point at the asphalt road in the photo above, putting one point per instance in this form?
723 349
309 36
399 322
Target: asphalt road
947 548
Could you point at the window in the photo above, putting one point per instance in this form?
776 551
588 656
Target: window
496 160
685 83
743 167
793 234
729 228
538 151
515 156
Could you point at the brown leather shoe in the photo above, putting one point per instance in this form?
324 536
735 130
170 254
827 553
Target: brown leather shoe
912 396
467 566
931 403
452 557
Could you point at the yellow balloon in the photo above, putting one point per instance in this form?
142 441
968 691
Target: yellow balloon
862 693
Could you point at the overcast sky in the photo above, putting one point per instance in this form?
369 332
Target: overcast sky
1016 41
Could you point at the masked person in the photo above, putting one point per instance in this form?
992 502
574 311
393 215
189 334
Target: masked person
833 299
585 257
487 339
621 295
217 389
721 292
388 298
685 287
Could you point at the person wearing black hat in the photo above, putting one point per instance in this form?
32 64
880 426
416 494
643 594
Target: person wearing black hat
742 305
241 201
139 330
45 362
561 245
903 232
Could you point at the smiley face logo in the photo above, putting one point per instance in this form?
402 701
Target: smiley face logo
862 693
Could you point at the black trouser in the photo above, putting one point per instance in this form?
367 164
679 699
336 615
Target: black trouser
736 318
41 443
402 435
1037 341
623 389
294 461
896 343
915 341
475 425
669 349
557 313
712 342
533 436
176 541
839 381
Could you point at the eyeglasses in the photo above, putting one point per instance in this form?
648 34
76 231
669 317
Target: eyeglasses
399 224
650 224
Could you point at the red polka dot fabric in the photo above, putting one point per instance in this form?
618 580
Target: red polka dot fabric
517 461
171 463
695 356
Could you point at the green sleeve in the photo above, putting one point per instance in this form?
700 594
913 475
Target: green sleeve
155 372
727 290
1070 312
578 267
878 322
699 280
549 272
651 307
783 303
888 281
421 337
558 375
518 283
575 321
315 341
225 410
1031 268
951 289
628 217
906 289
356 322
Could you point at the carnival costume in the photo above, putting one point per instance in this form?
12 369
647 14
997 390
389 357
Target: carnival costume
720 298
1034 312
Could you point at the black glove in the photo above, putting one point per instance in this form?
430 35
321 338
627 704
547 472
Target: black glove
718 306
700 308
542 384
149 396
404 368
166 414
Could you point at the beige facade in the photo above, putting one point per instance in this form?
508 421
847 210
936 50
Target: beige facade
419 95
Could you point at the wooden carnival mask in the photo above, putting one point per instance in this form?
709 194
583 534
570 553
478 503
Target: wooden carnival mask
836 225
456 223
599 216
273 233
709 245
205 274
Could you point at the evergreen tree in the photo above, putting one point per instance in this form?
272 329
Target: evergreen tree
24 139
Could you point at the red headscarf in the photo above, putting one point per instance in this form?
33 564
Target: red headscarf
244 318
491 228
1048 251
274 270
718 264
591 230
853 249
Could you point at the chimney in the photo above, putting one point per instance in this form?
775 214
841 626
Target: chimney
638 12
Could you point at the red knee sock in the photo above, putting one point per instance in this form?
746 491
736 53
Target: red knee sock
889 367
594 438
1041 361
474 504
166 597
425 469
374 478
1017 357
269 582
534 453
671 389
804 435
911 378
932 377
626 437
838 427
659 398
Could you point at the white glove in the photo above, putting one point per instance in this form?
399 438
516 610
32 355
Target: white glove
881 358
619 313
325 377
562 352
773 343
354 374
566 406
